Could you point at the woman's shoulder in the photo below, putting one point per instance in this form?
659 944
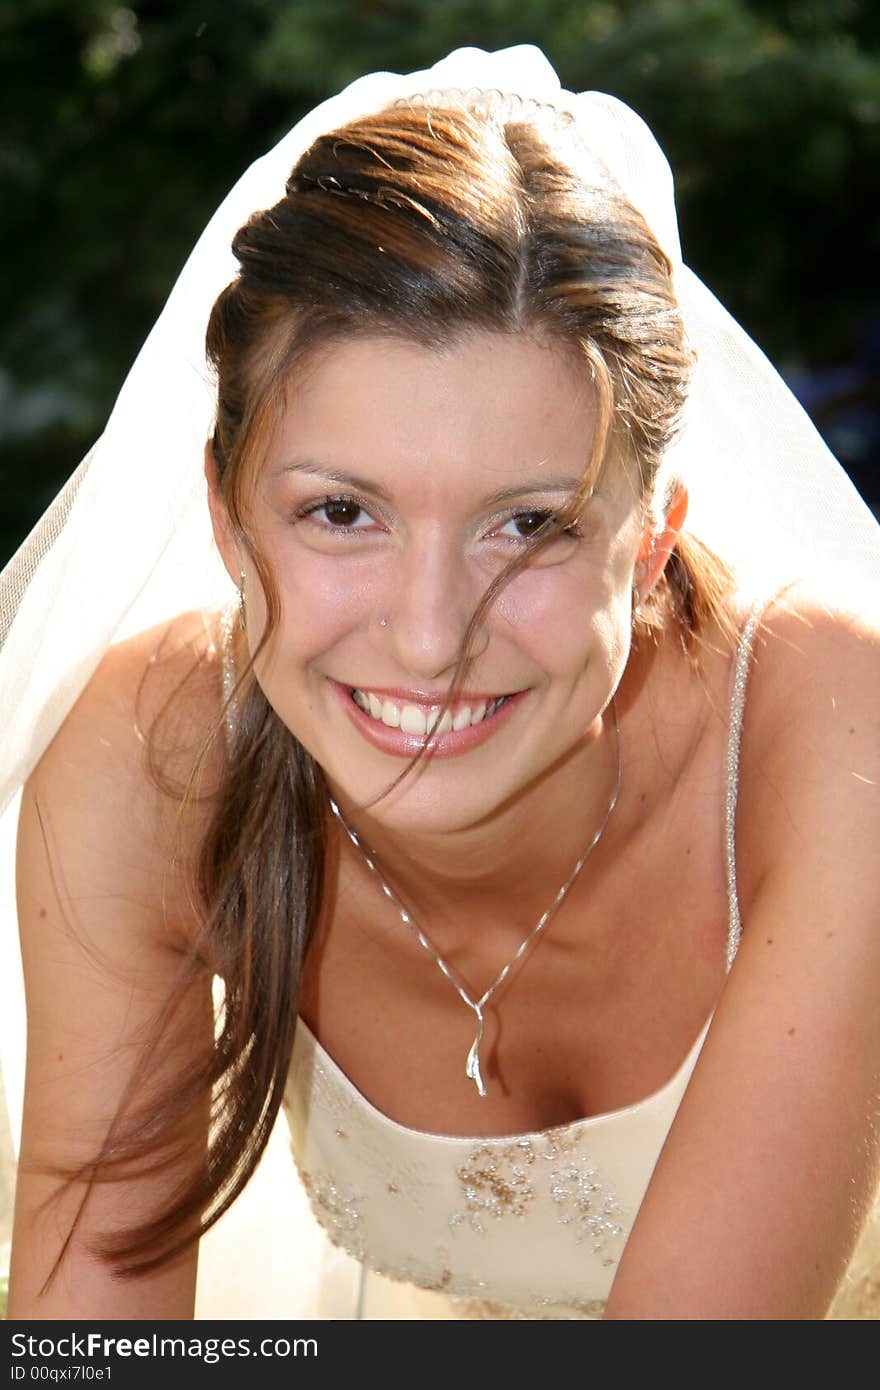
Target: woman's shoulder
155 692
125 783
816 660
811 750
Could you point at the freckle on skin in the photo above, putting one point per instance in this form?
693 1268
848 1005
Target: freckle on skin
43 912
769 940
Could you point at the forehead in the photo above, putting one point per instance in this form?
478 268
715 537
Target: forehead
485 409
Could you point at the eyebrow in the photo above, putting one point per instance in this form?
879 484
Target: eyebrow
569 486
314 468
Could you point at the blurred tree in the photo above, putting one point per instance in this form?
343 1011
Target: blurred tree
125 125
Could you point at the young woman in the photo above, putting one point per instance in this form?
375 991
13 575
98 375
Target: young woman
529 859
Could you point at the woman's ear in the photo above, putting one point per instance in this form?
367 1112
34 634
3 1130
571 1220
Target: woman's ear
657 546
224 533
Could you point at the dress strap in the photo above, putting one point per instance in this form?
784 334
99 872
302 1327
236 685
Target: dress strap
741 670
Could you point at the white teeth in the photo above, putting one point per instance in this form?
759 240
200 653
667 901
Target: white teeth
390 715
412 720
445 722
418 719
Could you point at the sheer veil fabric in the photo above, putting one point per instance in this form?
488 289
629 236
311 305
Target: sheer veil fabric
127 542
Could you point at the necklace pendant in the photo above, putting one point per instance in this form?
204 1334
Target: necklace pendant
472 1066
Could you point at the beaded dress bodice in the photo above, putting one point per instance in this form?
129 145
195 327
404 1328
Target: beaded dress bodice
534 1224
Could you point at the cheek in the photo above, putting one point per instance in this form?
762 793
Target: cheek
559 613
323 600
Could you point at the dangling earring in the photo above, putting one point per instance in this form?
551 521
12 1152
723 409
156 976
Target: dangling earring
242 613
636 599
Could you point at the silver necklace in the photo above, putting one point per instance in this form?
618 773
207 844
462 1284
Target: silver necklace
472 1066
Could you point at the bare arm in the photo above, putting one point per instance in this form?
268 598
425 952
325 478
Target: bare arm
773 1161
103 944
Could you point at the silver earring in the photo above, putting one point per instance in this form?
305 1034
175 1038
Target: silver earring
383 622
636 598
242 613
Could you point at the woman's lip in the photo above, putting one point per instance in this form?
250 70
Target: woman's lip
403 745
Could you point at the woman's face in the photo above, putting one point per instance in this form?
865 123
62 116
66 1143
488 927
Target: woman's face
401 481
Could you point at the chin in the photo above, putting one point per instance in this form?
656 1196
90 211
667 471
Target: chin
413 806
431 798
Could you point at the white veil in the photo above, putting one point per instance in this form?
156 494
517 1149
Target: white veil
128 542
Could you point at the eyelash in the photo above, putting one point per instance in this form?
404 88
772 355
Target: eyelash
312 511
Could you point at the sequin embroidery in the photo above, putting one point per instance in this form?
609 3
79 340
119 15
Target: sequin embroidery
337 1210
498 1182
495 1182
588 1209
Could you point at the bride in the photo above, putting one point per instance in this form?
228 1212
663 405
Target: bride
513 826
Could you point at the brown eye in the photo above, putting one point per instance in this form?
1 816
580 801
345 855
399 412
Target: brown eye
528 524
340 512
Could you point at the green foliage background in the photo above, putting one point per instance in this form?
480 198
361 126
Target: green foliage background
125 126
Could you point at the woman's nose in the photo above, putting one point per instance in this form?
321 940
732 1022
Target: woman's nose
427 608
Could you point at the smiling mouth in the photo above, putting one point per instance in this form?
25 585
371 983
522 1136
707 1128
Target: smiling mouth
423 719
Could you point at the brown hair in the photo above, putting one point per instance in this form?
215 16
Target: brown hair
423 223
